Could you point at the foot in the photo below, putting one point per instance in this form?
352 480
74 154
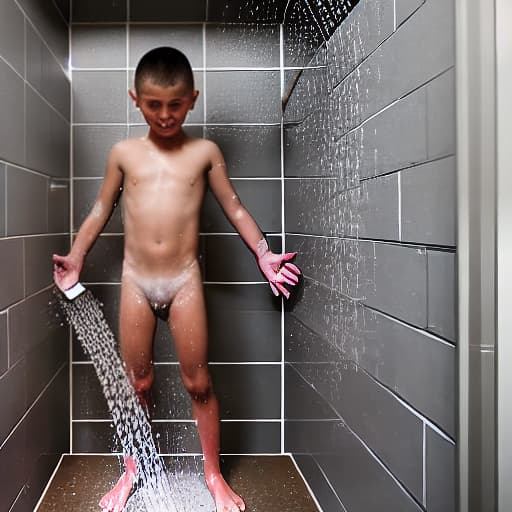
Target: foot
115 500
226 500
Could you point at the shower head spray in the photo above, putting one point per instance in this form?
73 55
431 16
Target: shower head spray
73 292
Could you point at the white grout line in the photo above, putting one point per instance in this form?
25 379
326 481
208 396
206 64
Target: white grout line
195 69
211 363
61 14
36 30
127 56
235 282
285 12
35 235
14 503
71 206
306 483
411 409
6 198
24 263
255 178
45 490
25 80
185 125
424 465
8 340
31 171
381 464
231 233
167 23
399 182
283 235
42 290
204 77
34 403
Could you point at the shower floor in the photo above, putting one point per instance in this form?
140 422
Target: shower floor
265 482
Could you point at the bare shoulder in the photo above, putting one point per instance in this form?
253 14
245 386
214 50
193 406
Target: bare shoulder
208 149
126 146
125 149
205 145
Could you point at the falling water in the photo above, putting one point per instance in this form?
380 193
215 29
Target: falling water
156 489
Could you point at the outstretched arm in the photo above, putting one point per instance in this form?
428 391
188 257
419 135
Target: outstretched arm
276 268
66 269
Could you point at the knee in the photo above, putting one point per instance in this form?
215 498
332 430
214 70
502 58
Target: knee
141 378
198 384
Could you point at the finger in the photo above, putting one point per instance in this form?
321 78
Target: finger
288 256
290 275
281 278
57 258
293 268
283 290
274 289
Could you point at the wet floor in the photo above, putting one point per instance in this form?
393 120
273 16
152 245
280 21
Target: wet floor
267 483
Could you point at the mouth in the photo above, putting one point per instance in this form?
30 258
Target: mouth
165 126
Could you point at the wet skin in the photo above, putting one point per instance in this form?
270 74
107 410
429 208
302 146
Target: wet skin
163 178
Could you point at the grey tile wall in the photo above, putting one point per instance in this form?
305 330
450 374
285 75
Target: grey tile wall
12 28
370 205
97 10
34 220
441 471
98 46
99 97
250 151
244 45
187 38
236 11
239 108
154 10
231 11
4 359
3 198
12 137
242 97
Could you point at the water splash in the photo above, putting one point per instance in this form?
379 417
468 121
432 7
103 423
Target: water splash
156 489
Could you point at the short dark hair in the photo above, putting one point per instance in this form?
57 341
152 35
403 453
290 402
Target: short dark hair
164 66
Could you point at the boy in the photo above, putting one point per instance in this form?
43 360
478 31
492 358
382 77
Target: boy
163 177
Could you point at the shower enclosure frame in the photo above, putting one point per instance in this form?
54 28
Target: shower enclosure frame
504 252
484 46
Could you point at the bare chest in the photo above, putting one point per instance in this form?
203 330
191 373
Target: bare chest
159 175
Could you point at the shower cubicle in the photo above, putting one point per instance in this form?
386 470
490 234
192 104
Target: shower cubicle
361 134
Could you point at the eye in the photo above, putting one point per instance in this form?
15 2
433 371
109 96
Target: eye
153 105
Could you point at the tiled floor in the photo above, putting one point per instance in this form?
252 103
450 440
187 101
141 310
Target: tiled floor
267 483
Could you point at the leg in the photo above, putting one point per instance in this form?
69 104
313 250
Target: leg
187 320
137 324
136 329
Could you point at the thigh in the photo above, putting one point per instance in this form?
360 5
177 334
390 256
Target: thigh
137 324
188 325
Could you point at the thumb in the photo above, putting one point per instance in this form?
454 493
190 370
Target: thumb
58 259
288 256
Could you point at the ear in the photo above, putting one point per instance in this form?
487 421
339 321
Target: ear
133 96
194 98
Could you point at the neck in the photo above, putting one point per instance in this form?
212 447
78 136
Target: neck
168 142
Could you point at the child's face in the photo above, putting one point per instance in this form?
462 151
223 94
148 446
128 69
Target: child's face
164 108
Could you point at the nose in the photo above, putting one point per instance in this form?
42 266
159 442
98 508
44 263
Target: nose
165 113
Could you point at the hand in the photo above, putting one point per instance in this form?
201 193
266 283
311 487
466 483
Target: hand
66 271
277 269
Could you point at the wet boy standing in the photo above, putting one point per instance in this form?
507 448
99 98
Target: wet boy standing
163 177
